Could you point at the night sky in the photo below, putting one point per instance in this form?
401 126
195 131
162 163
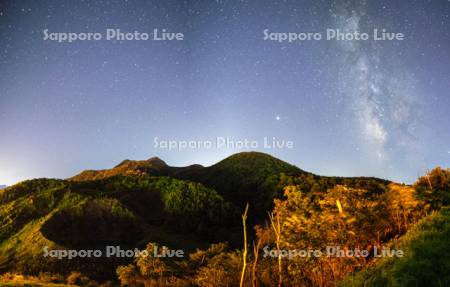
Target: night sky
373 108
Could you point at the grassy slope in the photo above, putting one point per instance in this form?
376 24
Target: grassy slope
127 210
426 261
253 177
246 177
39 209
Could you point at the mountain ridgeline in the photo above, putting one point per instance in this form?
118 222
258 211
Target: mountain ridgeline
139 202
247 177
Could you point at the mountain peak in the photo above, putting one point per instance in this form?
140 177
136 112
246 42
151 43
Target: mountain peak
156 161
253 160
153 166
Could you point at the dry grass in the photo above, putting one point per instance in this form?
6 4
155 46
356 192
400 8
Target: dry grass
13 279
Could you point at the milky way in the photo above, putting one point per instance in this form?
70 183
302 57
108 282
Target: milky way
378 90
351 108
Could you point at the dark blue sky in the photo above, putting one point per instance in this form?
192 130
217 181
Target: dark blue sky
374 108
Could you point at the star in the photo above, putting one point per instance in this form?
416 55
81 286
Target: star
278 118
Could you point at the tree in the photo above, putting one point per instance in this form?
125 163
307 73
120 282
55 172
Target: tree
434 187
343 218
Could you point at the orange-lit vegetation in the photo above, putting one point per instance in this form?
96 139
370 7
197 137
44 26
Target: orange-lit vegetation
197 209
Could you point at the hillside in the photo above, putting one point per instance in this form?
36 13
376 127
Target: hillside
426 260
138 204
153 166
247 177
129 211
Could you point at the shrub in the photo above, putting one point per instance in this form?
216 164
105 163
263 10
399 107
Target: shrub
434 187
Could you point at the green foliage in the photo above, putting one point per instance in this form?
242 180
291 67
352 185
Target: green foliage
434 187
192 205
352 219
213 267
247 177
152 166
29 187
123 209
151 271
111 221
243 177
426 260
176 203
147 201
23 207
